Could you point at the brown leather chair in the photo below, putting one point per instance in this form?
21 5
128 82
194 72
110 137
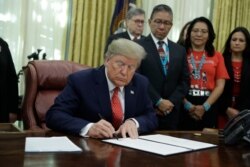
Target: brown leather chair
44 80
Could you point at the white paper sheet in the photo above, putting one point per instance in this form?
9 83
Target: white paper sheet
50 144
148 146
161 144
185 143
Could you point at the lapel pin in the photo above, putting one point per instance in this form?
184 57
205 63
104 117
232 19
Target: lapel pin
132 92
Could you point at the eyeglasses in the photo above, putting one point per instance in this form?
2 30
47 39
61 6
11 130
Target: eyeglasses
159 22
202 31
137 21
121 65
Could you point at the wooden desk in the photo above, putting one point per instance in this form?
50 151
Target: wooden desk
97 153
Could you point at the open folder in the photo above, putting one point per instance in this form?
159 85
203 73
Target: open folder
161 144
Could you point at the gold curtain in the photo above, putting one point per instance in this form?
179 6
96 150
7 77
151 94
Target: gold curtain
89 30
229 14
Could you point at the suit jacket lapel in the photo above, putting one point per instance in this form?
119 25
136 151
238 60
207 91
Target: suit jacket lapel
102 92
126 35
130 101
172 60
154 53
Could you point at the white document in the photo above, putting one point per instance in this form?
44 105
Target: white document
160 144
185 143
50 144
148 146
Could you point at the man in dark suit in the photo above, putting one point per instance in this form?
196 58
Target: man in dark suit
8 85
167 73
84 107
134 23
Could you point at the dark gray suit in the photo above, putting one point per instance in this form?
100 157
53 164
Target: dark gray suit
174 86
117 36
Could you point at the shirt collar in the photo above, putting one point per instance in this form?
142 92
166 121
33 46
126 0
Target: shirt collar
111 86
132 36
156 40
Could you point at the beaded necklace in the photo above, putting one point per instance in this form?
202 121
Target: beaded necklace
197 71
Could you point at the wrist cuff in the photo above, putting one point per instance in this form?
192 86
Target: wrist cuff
158 102
206 106
187 105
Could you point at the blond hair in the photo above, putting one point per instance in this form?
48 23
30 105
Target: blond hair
127 48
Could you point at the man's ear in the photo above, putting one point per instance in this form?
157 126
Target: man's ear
106 61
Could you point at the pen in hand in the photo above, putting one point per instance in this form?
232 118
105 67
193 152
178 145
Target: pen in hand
115 135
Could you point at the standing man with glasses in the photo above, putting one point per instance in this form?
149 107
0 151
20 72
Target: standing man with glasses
109 100
166 68
134 23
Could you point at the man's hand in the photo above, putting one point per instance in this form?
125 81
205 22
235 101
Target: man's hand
166 106
192 113
101 129
159 112
198 112
231 112
128 127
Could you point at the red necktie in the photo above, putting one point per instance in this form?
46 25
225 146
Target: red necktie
116 109
114 158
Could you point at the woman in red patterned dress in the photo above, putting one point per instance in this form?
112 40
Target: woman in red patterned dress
207 75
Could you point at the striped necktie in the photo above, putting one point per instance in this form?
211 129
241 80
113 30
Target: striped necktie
164 56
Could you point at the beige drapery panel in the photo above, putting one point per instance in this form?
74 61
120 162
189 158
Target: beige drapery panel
89 30
227 15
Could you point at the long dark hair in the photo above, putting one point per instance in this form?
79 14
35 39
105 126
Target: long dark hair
181 39
209 48
227 49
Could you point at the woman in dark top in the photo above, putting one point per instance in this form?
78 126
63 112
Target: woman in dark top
8 85
236 95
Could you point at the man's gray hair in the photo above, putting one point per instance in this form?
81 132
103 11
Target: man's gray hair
127 48
134 12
